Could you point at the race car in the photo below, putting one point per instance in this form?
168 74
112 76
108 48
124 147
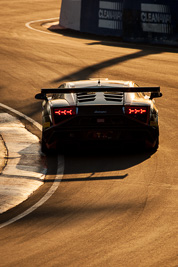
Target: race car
99 112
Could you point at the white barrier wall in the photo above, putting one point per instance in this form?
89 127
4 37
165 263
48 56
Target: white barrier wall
71 14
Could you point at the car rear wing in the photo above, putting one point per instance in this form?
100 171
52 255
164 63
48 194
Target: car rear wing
155 91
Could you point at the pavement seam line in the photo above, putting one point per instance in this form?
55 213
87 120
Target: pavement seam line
5 152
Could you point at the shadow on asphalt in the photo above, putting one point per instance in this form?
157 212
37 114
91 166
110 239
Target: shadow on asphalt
83 164
113 41
88 72
80 166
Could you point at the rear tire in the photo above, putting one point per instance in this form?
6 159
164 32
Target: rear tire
44 148
152 147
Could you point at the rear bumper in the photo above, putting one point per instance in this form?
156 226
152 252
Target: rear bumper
61 136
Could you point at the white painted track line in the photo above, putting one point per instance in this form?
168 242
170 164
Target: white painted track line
22 115
51 191
25 171
28 25
15 156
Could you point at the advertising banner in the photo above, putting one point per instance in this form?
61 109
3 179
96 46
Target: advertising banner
152 21
102 17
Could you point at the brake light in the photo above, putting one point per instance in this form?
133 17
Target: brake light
136 110
65 111
138 113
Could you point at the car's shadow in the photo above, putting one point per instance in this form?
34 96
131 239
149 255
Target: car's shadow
80 165
93 164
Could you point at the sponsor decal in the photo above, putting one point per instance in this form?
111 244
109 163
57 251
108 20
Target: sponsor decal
110 15
102 120
156 18
100 111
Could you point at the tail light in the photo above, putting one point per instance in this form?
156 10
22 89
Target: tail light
61 114
138 113
65 111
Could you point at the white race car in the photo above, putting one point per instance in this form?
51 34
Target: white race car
99 112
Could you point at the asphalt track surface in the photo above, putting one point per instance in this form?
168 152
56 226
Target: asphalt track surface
110 209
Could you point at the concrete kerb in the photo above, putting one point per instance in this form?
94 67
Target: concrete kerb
22 168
